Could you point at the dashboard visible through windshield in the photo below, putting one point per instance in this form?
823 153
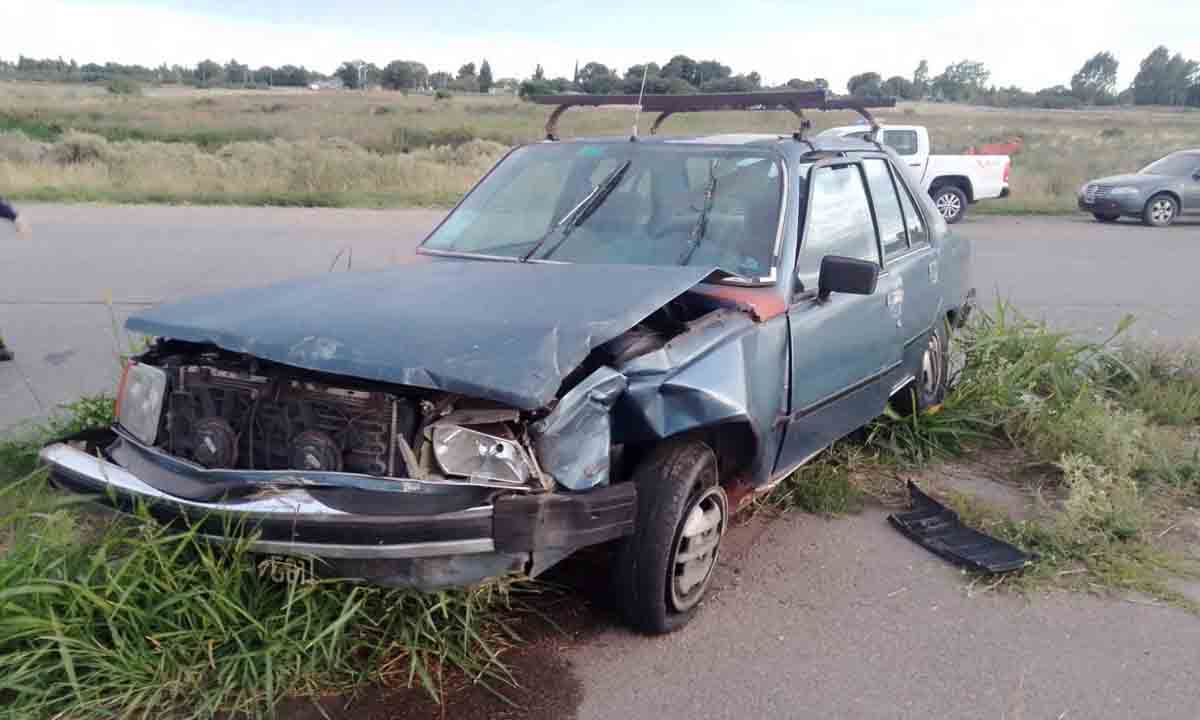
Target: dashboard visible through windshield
625 203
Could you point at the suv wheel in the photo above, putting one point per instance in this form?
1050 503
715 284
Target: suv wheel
1106 218
951 202
1160 210
664 568
929 388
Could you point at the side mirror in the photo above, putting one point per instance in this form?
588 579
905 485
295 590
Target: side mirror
847 275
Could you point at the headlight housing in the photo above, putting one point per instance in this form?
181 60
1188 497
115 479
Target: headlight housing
479 456
1125 190
140 400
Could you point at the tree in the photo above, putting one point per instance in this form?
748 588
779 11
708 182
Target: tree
485 77
920 80
539 73
682 67
208 73
1164 79
466 71
440 80
404 75
866 84
961 81
356 74
898 86
1097 79
236 73
595 78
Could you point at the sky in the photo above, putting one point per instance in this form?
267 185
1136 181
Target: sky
1030 43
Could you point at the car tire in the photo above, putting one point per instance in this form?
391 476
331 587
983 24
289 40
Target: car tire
951 202
681 509
928 390
1106 218
1160 211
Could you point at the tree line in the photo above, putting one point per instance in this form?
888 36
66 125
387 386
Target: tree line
1163 78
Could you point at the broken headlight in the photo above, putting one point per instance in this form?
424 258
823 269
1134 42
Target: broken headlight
479 456
140 400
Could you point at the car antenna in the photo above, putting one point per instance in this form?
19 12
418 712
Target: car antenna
637 114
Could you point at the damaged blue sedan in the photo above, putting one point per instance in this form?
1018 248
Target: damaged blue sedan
611 341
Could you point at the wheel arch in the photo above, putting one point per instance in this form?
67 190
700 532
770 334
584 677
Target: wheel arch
1169 192
962 182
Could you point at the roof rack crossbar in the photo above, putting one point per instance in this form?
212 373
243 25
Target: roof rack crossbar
796 101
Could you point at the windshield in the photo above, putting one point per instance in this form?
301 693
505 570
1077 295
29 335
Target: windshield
1177 165
625 203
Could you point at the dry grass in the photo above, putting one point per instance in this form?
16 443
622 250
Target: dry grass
350 147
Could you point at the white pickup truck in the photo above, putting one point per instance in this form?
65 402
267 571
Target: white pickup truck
953 181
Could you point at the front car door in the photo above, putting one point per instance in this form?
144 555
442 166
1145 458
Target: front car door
843 347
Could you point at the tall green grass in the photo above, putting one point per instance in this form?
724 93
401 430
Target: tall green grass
103 617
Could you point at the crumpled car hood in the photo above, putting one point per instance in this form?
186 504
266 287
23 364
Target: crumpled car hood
509 332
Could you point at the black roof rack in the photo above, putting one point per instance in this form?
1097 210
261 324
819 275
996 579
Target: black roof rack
796 101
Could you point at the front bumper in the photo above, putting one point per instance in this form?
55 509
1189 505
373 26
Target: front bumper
1123 205
505 533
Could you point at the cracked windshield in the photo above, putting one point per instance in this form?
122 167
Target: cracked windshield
625 203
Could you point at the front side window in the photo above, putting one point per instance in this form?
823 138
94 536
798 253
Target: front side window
892 233
839 221
1175 165
904 142
625 203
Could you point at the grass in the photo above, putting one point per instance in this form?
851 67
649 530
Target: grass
107 618
1062 148
1112 431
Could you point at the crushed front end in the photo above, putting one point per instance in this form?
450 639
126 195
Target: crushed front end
392 484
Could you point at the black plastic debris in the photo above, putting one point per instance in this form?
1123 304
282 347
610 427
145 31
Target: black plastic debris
939 530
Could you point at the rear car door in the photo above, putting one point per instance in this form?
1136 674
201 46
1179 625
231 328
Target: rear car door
909 256
843 347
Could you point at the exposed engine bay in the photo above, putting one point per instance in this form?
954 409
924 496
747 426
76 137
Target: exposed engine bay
228 411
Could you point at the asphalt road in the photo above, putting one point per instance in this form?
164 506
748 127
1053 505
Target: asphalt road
813 618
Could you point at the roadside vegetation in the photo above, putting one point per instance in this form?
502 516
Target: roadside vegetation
103 617
1102 439
386 149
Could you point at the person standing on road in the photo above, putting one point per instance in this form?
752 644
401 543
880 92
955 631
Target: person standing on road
7 212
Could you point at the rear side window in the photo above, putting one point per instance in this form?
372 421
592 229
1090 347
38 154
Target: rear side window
918 234
839 221
903 142
892 234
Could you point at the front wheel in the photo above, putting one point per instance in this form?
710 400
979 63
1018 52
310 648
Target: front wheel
951 202
663 570
1160 210
1106 217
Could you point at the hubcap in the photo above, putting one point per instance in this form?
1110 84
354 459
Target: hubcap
931 366
949 205
1162 211
695 553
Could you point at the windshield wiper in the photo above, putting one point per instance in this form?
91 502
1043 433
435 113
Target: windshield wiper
581 212
701 226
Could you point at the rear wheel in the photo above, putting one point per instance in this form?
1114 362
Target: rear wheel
663 570
928 389
951 202
1160 210
1106 217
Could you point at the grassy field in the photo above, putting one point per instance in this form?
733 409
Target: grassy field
387 149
